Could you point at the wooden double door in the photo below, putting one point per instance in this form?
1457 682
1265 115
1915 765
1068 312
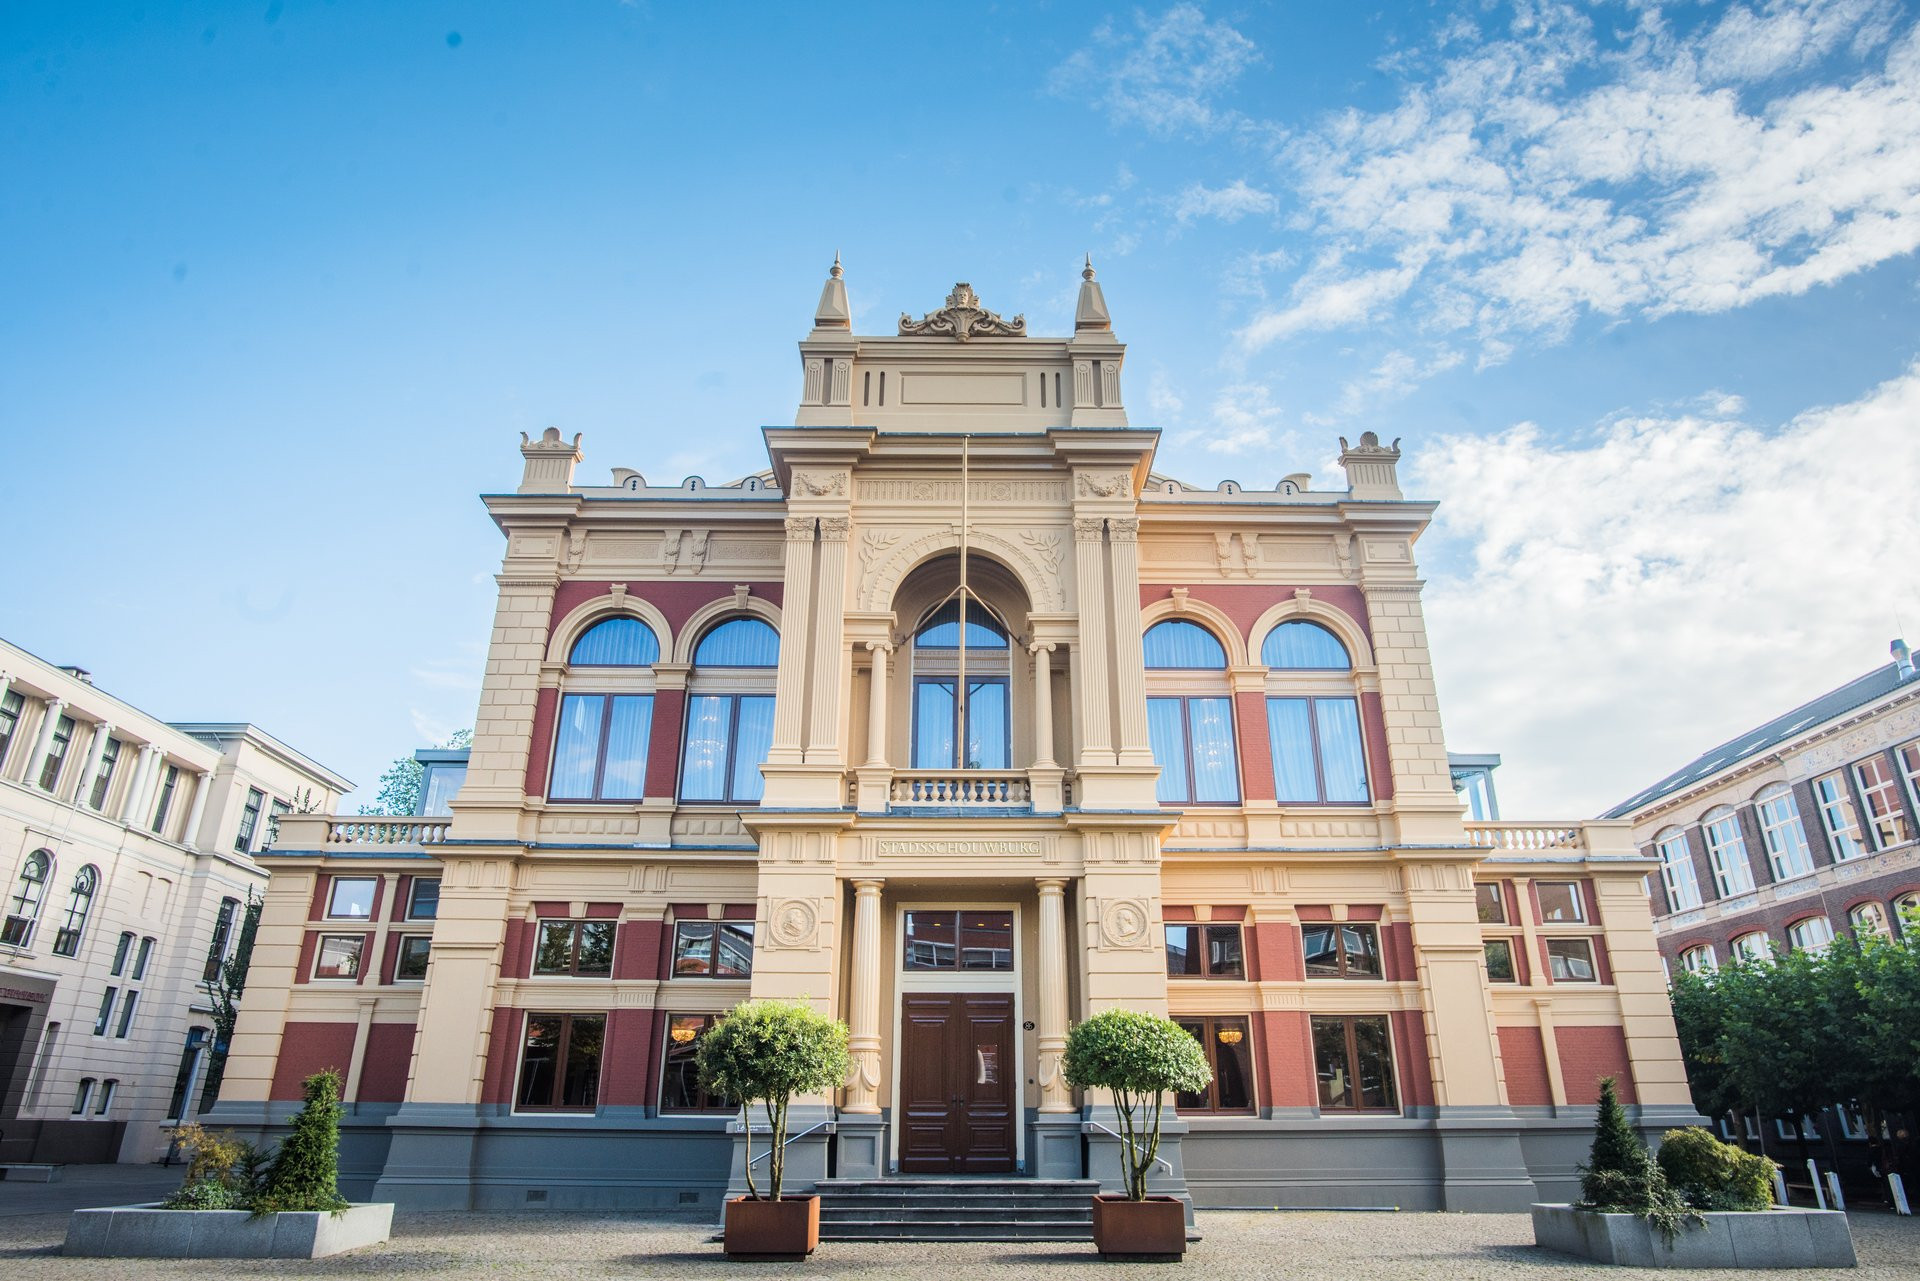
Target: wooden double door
958 1073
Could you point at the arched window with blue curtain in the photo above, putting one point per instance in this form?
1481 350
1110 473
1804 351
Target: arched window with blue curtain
600 738
1313 717
950 732
1190 715
730 712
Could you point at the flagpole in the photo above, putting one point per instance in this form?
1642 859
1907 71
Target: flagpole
966 529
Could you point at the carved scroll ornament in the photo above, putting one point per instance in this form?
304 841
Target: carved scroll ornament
963 317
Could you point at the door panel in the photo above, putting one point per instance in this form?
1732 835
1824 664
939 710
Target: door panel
957 1076
923 1083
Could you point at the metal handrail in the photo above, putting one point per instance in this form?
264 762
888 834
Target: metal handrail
1157 1160
791 1138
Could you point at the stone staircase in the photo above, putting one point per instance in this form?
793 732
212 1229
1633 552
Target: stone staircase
956 1209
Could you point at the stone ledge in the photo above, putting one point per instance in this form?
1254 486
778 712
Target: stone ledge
1777 1238
149 1232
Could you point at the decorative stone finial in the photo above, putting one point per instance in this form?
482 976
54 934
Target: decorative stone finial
1087 272
549 462
1370 467
963 317
835 270
833 312
1091 312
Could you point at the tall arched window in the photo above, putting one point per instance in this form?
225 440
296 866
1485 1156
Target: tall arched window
1313 717
23 909
606 714
730 712
1780 828
1753 946
1811 934
1699 960
1297 645
1676 870
79 904
1727 849
1190 715
1868 918
951 732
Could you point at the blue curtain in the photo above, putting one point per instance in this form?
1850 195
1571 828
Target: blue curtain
933 724
1177 643
623 772
942 628
576 745
1166 733
618 642
703 763
1301 644
753 740
739 642
1343 761
1290 734
1216 774
986 724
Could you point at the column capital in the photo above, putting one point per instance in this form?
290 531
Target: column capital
879 647
868 884
1052 884
54 705
1042 647
1088 529
800 529
104 727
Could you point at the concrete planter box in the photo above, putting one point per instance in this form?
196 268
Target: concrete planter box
149 1232
1759 1239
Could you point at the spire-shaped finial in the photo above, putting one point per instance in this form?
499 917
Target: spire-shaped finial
833 312
835 271
1087 273
1091 313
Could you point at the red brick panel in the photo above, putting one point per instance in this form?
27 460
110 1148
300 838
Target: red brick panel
379 888
1397 944
663 741
1176 915
1277 945
624 1080
1227 913
553 911
1410 1051
1364 912
383 1073
603 911
402 890
637 953
390 959
1589 1053
1525 1056
306 1048
516 961
1289 1065
318 909
1313 911
546 711
1256 745
1373 725
309 944
737 912
503 1056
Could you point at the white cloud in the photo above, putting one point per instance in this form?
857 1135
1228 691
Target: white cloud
1330 302
1230 203
1164 73
1631 600
1398 373
1242 418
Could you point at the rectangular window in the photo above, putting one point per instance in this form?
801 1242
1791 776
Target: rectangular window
1676 872
1342 951
108 1088
140 961
350 898
1490 901
103 778
276 811
1353 1059
1318 755
1837 816
104 1019
339 956
1192 740
183 1075
1229 1048
560 1062
10 707
712 949
1571 961
120 952
249 820
423 901
582 949
679 1081
1560 902
443 782
728 736
936 719
412 963
222 939
600 747
1886 819
167 789
1205 952
56 754
83 1096
1499 953
959 941
127 1008
1780 829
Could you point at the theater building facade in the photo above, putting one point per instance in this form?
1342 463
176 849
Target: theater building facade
960 722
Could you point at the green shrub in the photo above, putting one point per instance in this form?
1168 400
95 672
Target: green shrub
1711 1175
1620 1176
305 1172
767 1052
1139 1057
203 1194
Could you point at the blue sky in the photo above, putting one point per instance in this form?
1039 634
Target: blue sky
1635 284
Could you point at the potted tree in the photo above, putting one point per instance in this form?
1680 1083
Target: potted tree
767 1052
1138 1058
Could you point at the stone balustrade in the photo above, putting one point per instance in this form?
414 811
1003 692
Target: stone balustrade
328 833
962 787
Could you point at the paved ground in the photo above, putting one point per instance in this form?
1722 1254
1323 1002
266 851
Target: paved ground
1310 1246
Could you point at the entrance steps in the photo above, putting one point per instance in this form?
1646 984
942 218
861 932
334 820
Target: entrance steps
956 1209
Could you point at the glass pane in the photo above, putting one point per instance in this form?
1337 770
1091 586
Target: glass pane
1192 1100
1216 773
986 724
754 740
1330 1063
413 958
443 781
1183 951
618 642
1362 943
554 953
1559 900
596 948
1301 644
339 957
623 775
1177 643
1289 732
1167 735
1223 952
931 940
1343 764
680 1080
739 642
693 949
703 769
1500 961
588 1035
576 744
1491 902
351 897
942 628
1322 944
539 1060
986 940
1232 1065
733 950
426 899
933 714
1571 960
1375 1066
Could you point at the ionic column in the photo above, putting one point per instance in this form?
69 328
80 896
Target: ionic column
137 784
1042 652
44 743
789 707
1055 1096
877 705
829 632
1090 662
1129 662
863 1015
101 733
203 783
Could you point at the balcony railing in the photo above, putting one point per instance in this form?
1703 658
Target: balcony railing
961 787
326 833
1606 838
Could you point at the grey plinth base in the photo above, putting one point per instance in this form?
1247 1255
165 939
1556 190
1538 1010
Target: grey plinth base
862 1140
1760 1239
1053 1149
148 1232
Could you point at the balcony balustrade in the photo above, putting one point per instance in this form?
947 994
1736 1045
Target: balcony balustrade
340 833
961 787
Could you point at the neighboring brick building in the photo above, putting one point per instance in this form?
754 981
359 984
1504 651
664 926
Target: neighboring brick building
961 722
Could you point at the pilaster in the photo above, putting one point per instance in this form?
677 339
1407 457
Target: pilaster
491 805
1092 693
469 937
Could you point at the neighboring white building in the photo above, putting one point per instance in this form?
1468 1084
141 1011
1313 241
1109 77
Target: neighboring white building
126 850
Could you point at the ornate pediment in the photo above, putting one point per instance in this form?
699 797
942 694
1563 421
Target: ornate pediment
963 317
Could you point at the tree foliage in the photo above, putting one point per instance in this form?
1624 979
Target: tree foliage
1139 1057
305 1174
400 783
766 1052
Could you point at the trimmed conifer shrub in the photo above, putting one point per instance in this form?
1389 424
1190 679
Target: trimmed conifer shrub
305 1172
1620 1176
1712 1175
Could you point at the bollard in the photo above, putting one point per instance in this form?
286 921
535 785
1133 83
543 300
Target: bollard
1899 1188
1780 1187
1833 1187
1813 1174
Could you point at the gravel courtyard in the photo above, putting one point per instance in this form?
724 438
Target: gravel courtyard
1308 1245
